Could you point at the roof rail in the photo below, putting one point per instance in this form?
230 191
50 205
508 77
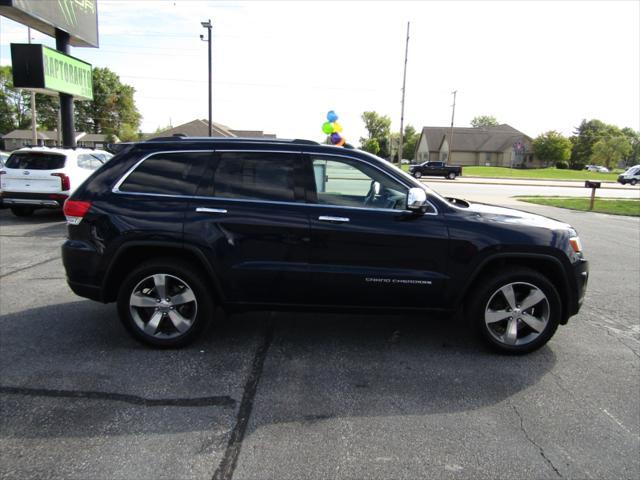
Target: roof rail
181 136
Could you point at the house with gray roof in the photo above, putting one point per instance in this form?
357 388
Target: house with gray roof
200 128
24 138
499 146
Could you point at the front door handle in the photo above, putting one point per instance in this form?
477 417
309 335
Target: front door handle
325 218
211 210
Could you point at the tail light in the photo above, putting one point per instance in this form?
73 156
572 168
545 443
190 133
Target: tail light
75 211
65 183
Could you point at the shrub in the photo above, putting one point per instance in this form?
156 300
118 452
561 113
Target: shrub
562 165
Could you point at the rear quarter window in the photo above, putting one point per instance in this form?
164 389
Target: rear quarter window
90 161
176 173
36 161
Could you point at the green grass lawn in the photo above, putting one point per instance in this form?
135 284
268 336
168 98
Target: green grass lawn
537 173
613 206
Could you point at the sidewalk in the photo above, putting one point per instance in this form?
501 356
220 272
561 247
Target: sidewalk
526 182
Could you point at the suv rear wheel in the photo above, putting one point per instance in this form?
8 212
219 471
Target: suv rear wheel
22 211
516 312
451 175
164 303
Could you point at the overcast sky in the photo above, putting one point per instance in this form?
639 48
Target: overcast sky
279 67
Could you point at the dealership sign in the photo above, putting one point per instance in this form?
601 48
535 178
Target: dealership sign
79 18
42 69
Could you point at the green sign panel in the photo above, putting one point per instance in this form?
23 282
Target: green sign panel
45 70
66 74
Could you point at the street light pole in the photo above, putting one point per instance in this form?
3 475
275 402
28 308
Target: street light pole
208 26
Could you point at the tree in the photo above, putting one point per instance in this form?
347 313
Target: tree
378 128
16 103
552 147
370 145
112 107
586 136
128 133
634 140
608 151
47 108
484 121
410 141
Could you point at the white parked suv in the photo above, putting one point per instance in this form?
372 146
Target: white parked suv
42 177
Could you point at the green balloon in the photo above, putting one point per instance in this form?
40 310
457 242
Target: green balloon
327 128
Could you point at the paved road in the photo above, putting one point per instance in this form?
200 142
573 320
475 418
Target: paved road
314 396
503 194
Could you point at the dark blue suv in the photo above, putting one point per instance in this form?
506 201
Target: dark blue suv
170 228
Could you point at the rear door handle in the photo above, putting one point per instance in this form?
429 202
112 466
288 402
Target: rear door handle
211 210
325 218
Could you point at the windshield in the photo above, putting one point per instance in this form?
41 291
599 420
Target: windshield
632 170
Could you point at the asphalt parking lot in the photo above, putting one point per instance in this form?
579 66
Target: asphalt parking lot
290 396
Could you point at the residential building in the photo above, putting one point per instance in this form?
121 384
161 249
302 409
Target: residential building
501 146
200 128
24 138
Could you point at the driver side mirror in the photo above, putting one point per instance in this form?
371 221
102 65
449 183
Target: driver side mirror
416 199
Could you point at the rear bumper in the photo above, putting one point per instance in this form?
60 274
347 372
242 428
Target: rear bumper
80 260
44 200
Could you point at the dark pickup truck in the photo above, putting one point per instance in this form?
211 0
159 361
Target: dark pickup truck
435 169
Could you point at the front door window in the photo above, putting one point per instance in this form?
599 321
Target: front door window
348 183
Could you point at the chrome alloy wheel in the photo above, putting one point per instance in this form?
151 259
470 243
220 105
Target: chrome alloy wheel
517 313
163 306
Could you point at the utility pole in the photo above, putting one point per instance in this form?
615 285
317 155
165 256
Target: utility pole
207 25
34 132
404 82
453 113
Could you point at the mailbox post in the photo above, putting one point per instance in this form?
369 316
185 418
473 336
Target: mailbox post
592 186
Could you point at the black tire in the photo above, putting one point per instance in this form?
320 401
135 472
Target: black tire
22 211
179 277
488 291
633 182
417 174
451 175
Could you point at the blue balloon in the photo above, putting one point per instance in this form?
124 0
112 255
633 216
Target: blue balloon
331 116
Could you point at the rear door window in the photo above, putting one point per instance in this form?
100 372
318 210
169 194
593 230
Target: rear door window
174 173
90 161
256 176
36 161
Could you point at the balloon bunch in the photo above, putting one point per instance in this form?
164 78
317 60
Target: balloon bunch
333 128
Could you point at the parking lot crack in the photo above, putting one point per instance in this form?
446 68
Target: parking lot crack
221 401
228 463
27 267
540 449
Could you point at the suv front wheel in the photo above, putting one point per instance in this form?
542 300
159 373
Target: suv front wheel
164 303
516 312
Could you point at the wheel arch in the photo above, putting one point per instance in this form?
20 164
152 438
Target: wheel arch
547 265
133 254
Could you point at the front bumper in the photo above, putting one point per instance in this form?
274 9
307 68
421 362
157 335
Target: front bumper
581 276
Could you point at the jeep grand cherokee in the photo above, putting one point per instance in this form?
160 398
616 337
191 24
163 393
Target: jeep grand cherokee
171 227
